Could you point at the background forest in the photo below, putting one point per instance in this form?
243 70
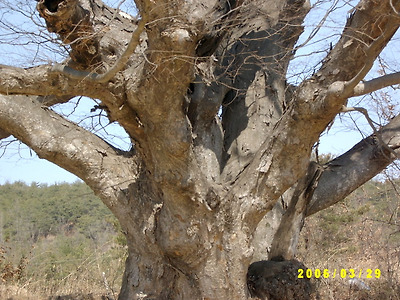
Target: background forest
58 240
61 240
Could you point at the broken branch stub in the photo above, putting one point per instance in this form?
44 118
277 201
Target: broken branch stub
72 23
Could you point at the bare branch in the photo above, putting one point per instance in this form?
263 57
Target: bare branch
375 84
42 81
67 145
347 88
355 167
371 124
363 38
319 26
364 112
45 101
317 102
370 56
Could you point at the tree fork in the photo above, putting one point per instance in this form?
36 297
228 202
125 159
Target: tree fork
192 193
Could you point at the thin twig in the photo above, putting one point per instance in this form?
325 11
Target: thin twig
371 124
394 8
318 27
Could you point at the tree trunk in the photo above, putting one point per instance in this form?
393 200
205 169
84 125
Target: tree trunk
219 174
171 268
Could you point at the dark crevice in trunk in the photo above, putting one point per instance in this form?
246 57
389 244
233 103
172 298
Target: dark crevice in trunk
211 41
73 24
52 5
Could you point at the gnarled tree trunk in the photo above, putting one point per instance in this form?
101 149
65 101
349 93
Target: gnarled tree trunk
197 190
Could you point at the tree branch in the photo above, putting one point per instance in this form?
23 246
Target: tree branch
363 38
286 237
69 146
46 101
42 81
57 88
375 84
281 159
348 88
96 33
371 124
74 25
358 165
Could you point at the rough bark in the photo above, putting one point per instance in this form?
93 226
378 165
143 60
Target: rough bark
326 185
286 236
194 195
347 172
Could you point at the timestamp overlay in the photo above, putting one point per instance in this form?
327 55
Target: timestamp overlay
339 273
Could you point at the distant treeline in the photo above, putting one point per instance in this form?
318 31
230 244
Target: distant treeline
53 236
29 212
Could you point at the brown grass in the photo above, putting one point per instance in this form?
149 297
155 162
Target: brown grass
93 278
358 243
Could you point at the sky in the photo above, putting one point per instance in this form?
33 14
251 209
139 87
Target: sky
18 163
31 169
24 165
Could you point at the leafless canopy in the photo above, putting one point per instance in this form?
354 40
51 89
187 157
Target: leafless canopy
218 133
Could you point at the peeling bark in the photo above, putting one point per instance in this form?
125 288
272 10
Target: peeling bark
284 243
73 24
347 172
197 191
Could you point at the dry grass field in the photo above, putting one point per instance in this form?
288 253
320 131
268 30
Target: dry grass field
361 233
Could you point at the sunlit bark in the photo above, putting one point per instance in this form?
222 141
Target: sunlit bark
195 192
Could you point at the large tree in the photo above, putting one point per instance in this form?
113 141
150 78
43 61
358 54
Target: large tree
221 142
